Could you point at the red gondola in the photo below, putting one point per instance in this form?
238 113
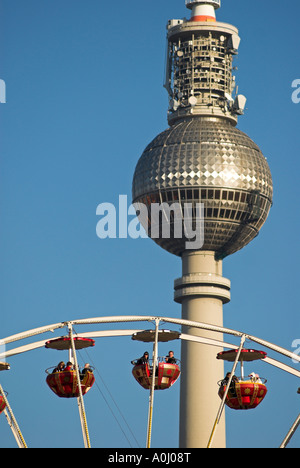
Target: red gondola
64 384
3 366
167 374
2 404
246 393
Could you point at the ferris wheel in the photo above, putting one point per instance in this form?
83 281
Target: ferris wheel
239 393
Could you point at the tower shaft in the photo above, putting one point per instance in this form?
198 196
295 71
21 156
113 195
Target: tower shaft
202 291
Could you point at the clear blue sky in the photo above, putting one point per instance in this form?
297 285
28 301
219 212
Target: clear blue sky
84 98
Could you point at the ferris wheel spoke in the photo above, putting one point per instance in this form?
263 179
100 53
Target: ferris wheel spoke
267 359
290 433
208 341
32 332
23 349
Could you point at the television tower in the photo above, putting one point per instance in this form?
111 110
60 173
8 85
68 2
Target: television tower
202 158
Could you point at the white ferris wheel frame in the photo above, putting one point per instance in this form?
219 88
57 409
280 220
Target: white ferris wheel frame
124 332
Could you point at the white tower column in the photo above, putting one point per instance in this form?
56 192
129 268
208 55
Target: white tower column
202 291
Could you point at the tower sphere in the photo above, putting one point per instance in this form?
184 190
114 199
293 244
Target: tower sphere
203 158
208 160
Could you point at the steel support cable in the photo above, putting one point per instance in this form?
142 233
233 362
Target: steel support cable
109 407
113 414
118 408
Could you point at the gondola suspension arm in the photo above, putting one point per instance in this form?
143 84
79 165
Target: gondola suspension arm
152 389
219 414
13 422
80 401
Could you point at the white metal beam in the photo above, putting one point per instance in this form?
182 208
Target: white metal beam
138 318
